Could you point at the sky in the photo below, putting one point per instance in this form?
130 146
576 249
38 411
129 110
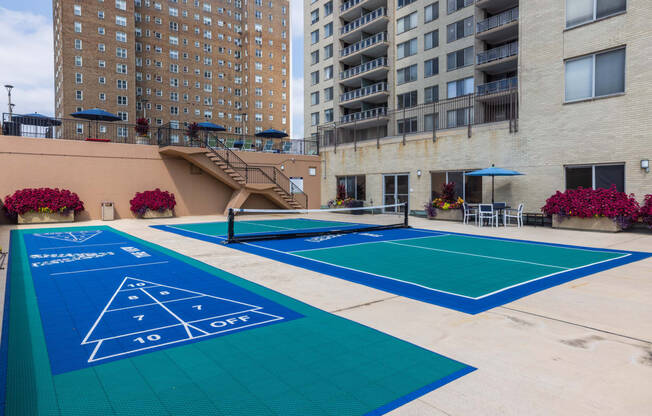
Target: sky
28 63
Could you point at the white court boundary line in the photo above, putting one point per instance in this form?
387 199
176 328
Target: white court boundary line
85 245
366 242
109 268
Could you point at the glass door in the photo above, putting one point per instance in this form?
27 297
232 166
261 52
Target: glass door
396 190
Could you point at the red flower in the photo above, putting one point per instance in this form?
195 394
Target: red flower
42 200
646 210
155 200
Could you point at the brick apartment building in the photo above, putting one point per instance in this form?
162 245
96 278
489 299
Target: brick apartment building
175 61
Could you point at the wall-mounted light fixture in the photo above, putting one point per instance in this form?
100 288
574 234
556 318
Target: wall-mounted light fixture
282 167
419 173
645 164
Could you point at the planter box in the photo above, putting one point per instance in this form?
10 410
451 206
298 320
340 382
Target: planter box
33 217
448 215
586 224
142 140
158 214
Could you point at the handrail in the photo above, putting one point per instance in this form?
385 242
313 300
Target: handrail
347 5
500 52
361 21
364 91
366 67
497 86
363 44
364 115
500 19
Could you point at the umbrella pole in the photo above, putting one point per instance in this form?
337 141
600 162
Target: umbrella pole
492 189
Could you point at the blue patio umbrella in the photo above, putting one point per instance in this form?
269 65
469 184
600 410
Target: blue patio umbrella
96 114
272 134
36 119
493 172
210 126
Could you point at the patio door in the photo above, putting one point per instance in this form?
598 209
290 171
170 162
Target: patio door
396 190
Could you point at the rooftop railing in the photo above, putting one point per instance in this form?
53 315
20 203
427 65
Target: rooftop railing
380 12
501 19
364 43
366 67
364 115
500 52
497 86
348 4
364 91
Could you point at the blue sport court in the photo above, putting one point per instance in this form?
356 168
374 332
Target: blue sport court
98 322
464 272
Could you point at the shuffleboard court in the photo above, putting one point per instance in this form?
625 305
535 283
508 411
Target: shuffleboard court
465 272
99 322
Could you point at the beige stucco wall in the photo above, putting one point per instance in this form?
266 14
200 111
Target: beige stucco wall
115 172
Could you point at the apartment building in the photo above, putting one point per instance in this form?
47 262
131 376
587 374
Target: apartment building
175 61
426 90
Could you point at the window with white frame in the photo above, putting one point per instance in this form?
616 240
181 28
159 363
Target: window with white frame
121 21
121 4
583 11
596 75
121 36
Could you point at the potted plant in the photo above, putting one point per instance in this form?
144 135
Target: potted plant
446 206
645 214
43 205
592 209
142 131
193 132
153 204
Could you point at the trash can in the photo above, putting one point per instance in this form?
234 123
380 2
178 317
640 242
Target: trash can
107 211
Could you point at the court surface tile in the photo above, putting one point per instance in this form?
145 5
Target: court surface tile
465 272
98 322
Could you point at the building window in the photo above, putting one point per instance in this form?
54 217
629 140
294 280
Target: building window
328 8
314 16
122 84
314 119
121 36
460 87
595 75
352 187
403 3
102 96
122 100
314 78
455 5
328 51
314 98
78 61
459 117
431 12
407 74
407 100
314 58
121 52
328 94
314 37
328 30
328 72
429 120
78 44
459 30
431 94
407 125
583 11
405 49
328 115
121 4
406 23
78 27
121 21
459 59
79 95
77 10
101 47
431 40
468 188
431 67
596 176
79 78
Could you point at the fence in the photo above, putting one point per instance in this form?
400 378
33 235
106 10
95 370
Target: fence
118 132
465 111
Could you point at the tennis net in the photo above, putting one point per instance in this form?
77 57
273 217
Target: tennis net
268 224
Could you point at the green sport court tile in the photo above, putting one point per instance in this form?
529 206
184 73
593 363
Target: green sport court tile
316 364
245 226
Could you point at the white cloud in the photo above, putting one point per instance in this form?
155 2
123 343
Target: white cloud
296 97
27 61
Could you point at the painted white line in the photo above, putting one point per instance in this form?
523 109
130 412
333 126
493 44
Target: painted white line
109 268
85 245
196 232
185 324
478 255
360 271
366 242
150 304
99 318
549 275
264 225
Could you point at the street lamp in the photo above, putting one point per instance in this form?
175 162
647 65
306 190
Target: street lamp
242 116
9 104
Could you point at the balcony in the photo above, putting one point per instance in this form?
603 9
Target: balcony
495 6
501 27
367 118
374 70
372 22
496 87
375 93
351 9
498 60
373 46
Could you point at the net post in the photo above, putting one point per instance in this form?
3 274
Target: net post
405 219
231 228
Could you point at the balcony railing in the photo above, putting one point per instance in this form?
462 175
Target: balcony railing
497 86
363 92
366 67
364 115
501 19
364 43
347 5
380 12
500 52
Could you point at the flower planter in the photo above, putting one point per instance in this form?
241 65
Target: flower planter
448 215
33 217
158 214
142 140
603 224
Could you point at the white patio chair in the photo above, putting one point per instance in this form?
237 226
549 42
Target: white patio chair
486 212
514 213
469 212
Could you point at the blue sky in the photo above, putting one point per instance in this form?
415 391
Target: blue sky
26 33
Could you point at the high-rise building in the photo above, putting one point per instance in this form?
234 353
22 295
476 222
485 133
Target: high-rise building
408 95
175 61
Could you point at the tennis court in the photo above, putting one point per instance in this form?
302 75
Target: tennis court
465 272
99 322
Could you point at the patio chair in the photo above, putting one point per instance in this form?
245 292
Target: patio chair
499 208
486 212
514 213
3 257
247 147
258 145
269 146
469 212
